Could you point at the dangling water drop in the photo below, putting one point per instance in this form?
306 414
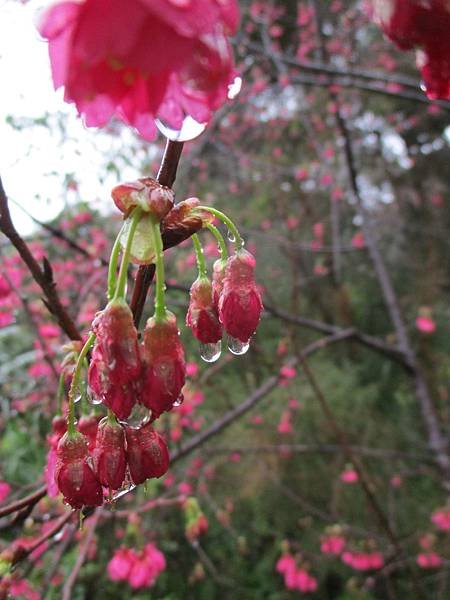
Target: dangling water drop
237 347
140 415
210 352
92 398
179 401
230 236
190 129
77 398
234 88
125 489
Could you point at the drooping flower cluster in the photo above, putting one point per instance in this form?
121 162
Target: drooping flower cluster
142 59
363 561
119 454
140 569
137 381
424 26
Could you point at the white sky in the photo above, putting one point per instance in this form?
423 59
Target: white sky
34 161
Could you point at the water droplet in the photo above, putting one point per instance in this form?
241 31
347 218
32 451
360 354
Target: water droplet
237 347
77 398
234 88
230 236
190 129
92 398
140 415
179 401
210 352
125 489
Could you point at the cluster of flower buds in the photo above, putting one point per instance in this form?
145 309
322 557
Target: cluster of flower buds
295 577
119 455
138 380
139 569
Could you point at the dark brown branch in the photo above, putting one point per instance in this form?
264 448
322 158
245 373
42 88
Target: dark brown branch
166 176
30 500
42 276
81 556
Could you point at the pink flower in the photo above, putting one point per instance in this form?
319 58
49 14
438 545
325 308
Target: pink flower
358 240
120 565
429 560
288 372
425 324
5 490
20 588
191 369
305 582
285 425
141 59
285 564
333 544
49 330
441 518
202 316
349 476
425 25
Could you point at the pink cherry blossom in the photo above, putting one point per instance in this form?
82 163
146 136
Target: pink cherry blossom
425 324
349 476
5 490
141 59
429 560
441 518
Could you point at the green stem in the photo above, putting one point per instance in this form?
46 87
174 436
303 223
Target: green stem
160 302
228 222
219 237
123 273
74 385
111 417
201 263
112 269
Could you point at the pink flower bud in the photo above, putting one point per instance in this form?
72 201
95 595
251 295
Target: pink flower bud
88 425
202 316
182 221
146 193
147 453
164 364
109 454
74 476
217 280
240 303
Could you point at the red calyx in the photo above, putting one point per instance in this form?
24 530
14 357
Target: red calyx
73 475
109 454
147 453
240 303
164 364
202 316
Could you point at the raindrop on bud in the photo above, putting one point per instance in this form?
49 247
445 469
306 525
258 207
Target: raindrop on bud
77 398
234 88
210 352
230 236
237 347
92 398
140 415
179 401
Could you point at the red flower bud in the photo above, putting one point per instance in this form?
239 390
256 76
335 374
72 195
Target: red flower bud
147 453
59 425
73 475
116 365
109 454
217 280
146 193
202 316
87 425
240 303
119 398
117 342
182 221
164 364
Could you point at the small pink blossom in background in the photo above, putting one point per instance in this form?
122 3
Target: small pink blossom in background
256 420
363 561
305 582
266 225
141 59
358 240
6 318
49 330
333 544
5 490
235 457
349 476
425 325
192 369
318 230
20 588
288 372
140 569
396 481
429 560
295 578
292 223
326 179
185 488
437 200
293 404
285 424
337 194
282 348
441 518
301 174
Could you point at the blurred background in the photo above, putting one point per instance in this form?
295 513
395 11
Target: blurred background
326 443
